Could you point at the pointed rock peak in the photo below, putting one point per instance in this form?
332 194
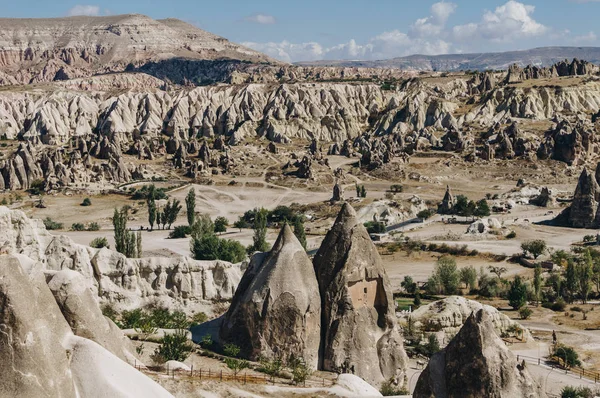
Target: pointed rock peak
347 214
286 237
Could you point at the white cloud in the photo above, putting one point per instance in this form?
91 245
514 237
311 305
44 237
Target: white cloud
506 23
435 23
587 38
512 22
261 19
88 10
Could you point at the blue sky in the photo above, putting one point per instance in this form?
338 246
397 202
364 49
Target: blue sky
359 29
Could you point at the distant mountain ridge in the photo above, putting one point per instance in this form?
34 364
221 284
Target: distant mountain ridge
49 49
541 56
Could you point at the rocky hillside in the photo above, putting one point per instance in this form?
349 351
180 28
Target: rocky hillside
543 56
123 282
41 50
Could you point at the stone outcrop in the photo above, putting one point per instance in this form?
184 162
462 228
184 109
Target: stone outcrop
584 211
76 299
276 310
359 331
476 363
40 356
450 314
123 282
31 331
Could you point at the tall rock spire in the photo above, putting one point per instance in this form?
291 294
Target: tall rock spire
359 331
276 310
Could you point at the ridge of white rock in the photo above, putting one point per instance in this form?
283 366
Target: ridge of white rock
123 282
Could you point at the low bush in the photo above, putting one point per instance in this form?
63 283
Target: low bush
77 227
51 225
86 202
99 243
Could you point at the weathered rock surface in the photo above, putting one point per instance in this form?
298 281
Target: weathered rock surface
40 356
584 211
125 283
32 360
476 363
360 335
451 313
276 310
77 301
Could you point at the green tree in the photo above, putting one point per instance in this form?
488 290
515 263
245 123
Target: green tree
241 223
151 213
535 247
232 361
221 224
570 282
190 205
446 275
584 271
126 242
363 192
299 230
468 276
517 294
432 346
259 241
425 214
537 282
568 355
409 285
120 228
461 206
498 271
483 209
174 347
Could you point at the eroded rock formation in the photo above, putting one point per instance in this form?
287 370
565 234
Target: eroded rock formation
359 332
476 364
276 310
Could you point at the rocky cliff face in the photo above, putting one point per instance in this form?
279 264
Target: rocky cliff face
125 283
276 310
359 331
41 356
42 50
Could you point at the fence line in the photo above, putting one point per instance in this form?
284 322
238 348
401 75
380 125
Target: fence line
220 375
574 370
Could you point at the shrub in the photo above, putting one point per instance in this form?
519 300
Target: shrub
99 243
425 214
511 235
36 187
93 226
180 232
210 247
536 247
174 347
576 309
388 389
221 224
375 227
559 305
132 319
206 341
396 188
517 294
300 371
568 355
236 365
525 313
109 312
86 202
576 392
77 227
271 367
51 224
198 319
